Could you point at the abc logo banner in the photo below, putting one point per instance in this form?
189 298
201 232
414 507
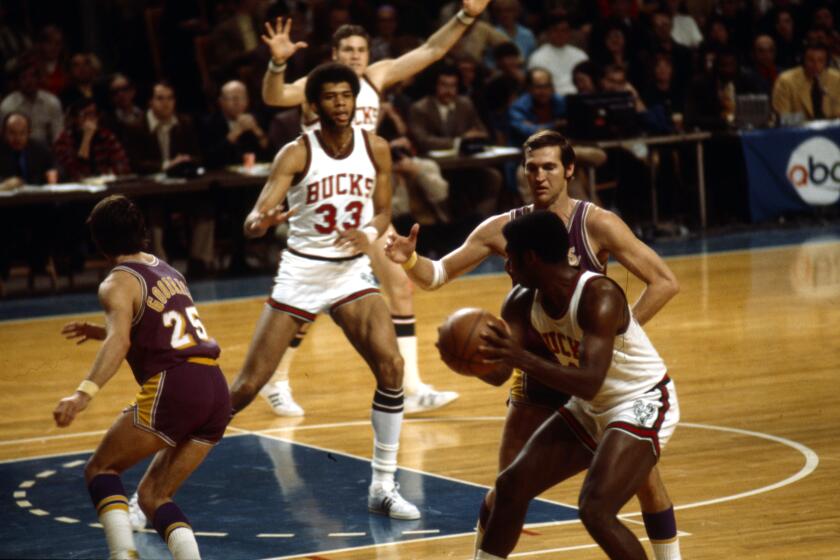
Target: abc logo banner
814 171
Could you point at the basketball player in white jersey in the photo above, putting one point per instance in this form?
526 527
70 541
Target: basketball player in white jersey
337 181
595 234
351 47
573 331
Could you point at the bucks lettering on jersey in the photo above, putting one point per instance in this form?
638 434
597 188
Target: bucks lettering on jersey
333 195
367 110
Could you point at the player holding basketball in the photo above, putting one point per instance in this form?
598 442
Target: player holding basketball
594 234
623 407
337 180
183 405
351 46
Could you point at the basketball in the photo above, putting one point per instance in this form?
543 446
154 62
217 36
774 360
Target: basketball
459 338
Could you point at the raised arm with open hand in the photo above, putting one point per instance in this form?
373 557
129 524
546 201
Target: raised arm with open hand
398 248
278 39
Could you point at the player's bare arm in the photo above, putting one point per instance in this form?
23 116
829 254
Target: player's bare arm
601 315
361 238
268 210
612 235
386 73
274 89
120 296
485 240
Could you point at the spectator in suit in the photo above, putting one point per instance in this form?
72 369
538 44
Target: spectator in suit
764 62
165 138
811 90
232 132
124 113
711 105
440 122
237 38
681 57
558 56
24 161
42 108
167 141
87 149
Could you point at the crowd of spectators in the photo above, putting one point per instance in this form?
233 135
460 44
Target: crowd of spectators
188 92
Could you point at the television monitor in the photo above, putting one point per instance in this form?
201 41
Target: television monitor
601 116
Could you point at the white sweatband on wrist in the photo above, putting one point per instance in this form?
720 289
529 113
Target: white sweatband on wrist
464 17
371 232
88 387
275 68
439 277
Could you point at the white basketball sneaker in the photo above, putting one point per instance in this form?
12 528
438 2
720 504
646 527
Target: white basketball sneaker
279 397
135 515
427 399
387 501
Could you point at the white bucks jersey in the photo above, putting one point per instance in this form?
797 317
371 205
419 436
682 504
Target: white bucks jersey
635 366
333 195
367 110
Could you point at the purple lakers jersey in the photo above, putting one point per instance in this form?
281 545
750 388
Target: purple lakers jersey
580 251
166 330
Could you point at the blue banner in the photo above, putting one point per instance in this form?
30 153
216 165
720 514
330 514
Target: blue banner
792 169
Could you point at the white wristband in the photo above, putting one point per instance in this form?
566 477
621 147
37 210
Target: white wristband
275 68
464 17
439 276
88 387
372 233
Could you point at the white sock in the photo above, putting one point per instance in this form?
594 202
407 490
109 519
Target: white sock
118 534
481 555
386 417
667 550
182 544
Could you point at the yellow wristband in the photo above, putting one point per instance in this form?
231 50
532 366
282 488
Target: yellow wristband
412 260
88 387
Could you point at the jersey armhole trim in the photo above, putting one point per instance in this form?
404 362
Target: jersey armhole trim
144 293
376 89
369 149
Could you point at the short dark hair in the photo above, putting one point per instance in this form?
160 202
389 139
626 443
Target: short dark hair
504 50
542 232
545 138
117 226
349 30
330 72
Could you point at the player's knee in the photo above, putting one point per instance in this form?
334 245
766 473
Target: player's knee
594 509
150 498
508 488
96 466
390 371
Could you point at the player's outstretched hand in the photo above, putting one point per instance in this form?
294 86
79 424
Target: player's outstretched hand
83 331
278 40
398 248
258 223
474 7
69 407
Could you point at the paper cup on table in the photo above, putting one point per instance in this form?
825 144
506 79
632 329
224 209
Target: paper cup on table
52 176
248 160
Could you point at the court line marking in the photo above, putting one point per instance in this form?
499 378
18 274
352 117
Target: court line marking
811 463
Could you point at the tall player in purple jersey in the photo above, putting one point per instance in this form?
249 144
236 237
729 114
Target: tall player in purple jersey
594 234
183 406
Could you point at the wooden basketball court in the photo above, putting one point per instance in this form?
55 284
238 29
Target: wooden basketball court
751 342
